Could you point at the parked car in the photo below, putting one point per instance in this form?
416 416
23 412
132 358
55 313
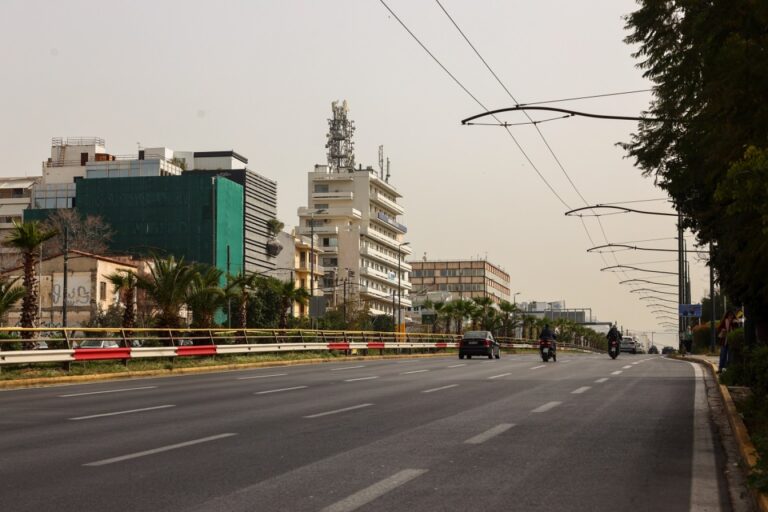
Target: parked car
98 344
39 345
653 350
479 343
668 350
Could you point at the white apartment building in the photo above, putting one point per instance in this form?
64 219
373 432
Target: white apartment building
353 213
15 197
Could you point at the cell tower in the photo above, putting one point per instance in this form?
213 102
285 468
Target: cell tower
341 149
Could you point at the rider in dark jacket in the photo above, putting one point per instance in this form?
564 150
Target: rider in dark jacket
549 335
614 334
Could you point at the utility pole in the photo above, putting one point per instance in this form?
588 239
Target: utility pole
680 276
345 302
712 334
229 299
64 281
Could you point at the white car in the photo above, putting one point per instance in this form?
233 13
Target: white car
628 344
98 344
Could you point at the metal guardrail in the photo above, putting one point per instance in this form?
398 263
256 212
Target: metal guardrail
45 345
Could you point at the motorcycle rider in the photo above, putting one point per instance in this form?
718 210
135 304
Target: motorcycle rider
549 335
614 335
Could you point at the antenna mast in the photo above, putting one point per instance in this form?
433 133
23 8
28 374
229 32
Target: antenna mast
381 162
341 149
387 178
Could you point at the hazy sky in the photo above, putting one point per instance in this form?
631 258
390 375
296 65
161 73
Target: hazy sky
259 77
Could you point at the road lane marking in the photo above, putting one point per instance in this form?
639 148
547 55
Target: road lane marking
362 378
600 381
336 411
346 368
278 390
626 367
617 372
547 406
262 376
367 495
414 371
440 388
638 362
581 390
537 367
120 412
107 391
158 450
499 376
457 365
488 434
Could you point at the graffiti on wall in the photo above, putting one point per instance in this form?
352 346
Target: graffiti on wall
78 289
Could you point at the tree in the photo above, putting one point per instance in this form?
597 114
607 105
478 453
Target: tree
84 233
274 227
508 316
124 282
10 294
167 285
709 66
204 295
27 237
289 294
484 313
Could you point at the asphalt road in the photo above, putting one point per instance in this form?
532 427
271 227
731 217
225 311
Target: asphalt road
585 433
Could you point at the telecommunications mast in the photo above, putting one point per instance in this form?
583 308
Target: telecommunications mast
341 149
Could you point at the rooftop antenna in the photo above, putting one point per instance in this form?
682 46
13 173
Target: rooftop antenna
341 149
387 178
381 162
424 258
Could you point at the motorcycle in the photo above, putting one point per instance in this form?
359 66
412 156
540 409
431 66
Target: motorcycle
613 349
547 349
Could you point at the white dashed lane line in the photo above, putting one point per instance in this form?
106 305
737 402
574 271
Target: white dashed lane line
600 381
440 388
347 368
414 371
537 367
158 450
546 407
581 390
278 390
107 391
362 378
337 411
262 376
499 376
626 367
130 411
490 433
617 372
456 365
367 495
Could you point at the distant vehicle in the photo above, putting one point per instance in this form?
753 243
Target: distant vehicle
639 349
39 345
479 343
668 350
547 349
653 350
98 344
613 348
628 344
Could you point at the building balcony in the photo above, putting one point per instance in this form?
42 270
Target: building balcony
388 241
330 249
389 260
387 203
319 230
329 213
389 222
390 278
373 292
333 196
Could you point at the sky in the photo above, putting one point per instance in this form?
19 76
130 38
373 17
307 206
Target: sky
259 77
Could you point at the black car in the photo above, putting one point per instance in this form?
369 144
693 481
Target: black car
479 343
653 350
668 350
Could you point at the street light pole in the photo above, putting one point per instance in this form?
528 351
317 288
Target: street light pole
312 260
399 259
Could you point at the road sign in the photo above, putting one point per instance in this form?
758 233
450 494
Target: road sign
690 310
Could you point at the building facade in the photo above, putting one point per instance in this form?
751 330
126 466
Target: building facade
294 264
15 197
464 279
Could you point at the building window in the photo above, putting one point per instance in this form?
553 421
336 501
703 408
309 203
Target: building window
321 187
102 291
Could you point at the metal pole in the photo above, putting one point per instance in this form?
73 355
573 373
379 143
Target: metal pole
681 274
311 265
399 257
229 299
65 284
394 329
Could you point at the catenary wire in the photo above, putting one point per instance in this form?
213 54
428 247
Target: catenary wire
584 97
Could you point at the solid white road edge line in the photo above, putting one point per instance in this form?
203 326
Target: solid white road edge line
600 381
440 388
488 434
705 494
121 412
362 378
499 376
336 411
367 495
158 450
346 368
278 390
262 376
107 391
581 390
547 406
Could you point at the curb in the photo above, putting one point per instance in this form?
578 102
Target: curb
740 433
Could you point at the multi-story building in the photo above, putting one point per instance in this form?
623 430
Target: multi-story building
15 197
462 278
79 163
354 214
294 264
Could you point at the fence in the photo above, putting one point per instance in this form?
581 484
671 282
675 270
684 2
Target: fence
93 344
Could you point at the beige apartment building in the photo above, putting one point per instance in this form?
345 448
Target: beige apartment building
461 278
15 197
294 263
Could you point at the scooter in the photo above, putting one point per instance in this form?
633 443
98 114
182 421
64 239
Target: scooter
547 349
613 349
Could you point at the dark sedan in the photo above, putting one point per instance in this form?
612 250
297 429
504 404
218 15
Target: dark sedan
479 343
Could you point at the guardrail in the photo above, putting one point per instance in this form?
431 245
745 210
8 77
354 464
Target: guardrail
64 345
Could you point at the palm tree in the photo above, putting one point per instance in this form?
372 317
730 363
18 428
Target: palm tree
484 313
289 295
167 285
508 313
27 237
10 294
204 295
125 283
238 290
